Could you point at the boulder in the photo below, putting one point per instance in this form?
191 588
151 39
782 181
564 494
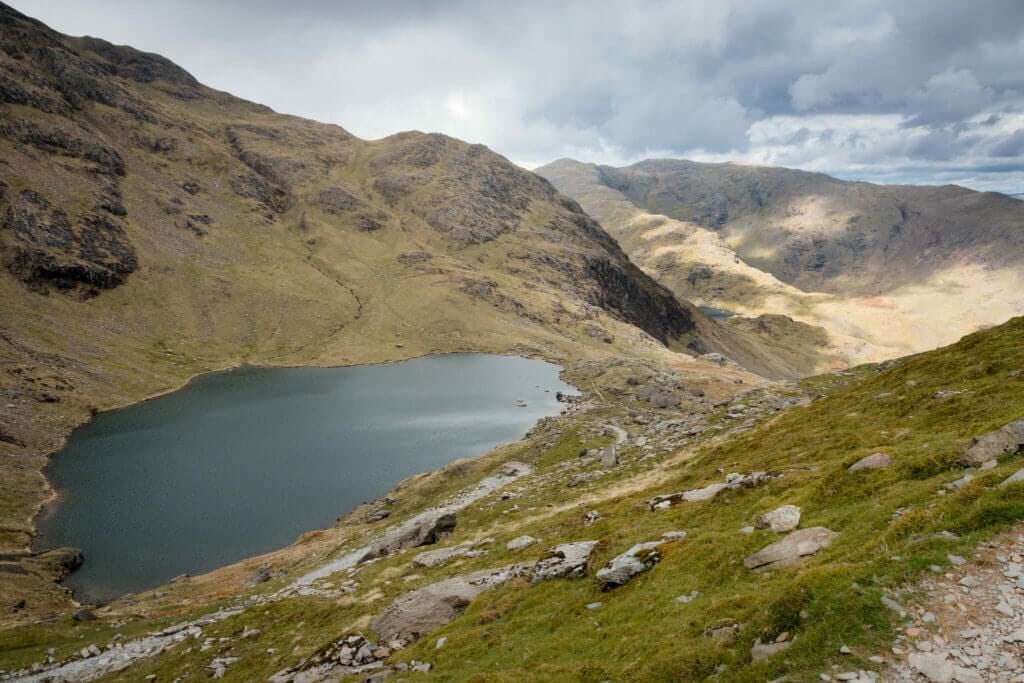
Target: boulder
376 515
435 558
423 529
933 667
422 611
665 399
1007 439
791 548
872 462
785 518
261 575
521 542
609 456
565 560
638 559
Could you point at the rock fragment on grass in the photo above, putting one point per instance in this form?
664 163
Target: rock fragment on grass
785 518
520 542
874 461
790 549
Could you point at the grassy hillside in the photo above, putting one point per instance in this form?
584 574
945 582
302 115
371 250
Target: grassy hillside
152 228
869 263
893 524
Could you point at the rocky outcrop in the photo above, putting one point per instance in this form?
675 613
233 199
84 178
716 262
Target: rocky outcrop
43 247
566 560
637 560
790 549
427 609
423 529
1007 439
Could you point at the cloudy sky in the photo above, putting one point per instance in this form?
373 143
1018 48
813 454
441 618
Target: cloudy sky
923 91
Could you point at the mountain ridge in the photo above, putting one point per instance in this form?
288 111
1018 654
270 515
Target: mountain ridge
865 261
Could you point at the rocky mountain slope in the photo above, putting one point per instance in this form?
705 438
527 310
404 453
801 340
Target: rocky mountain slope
152 228
870 263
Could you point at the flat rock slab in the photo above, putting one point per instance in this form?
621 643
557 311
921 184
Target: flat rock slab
565 560
435 558
521 542
638 559
1007 439
785 518
423 611
733 480
874 461
791 548
670 500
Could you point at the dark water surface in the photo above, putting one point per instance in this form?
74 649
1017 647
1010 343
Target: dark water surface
716 313
242 462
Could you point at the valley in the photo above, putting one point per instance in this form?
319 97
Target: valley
282 403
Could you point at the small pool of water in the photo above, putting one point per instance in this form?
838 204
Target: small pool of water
716 313
242 462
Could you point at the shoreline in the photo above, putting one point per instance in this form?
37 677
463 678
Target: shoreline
52 500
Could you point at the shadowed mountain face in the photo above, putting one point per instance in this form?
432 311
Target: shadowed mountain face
152 228
868 262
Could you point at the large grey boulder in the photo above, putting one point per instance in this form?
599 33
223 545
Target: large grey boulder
638 559
609 456
1007 439
791 549
423 529
423 611
785 518
565 560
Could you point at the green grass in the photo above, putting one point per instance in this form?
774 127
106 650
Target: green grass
544 632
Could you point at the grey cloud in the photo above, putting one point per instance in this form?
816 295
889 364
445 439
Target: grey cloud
615 81
1009 146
